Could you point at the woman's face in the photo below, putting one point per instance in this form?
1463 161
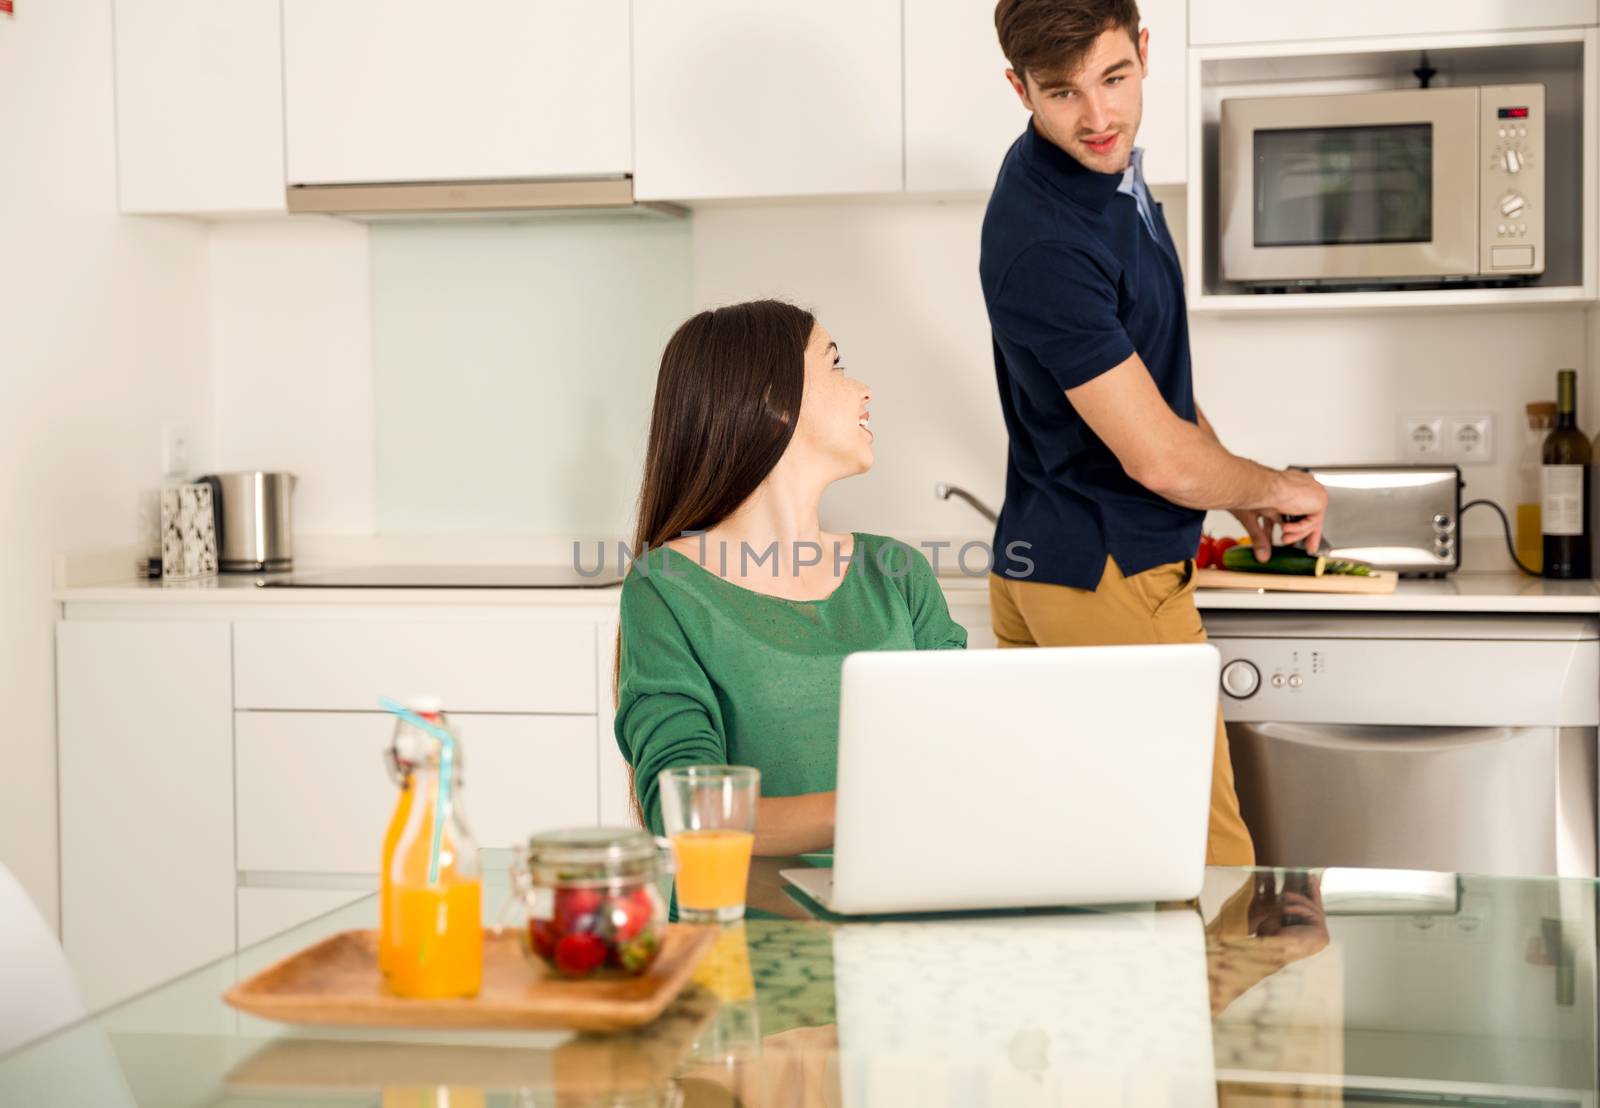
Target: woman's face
833 410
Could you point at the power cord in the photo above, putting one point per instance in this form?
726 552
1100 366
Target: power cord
1506 523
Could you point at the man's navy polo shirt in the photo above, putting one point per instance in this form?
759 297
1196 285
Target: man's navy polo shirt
1075 285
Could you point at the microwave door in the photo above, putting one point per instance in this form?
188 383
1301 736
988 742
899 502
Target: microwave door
1351 187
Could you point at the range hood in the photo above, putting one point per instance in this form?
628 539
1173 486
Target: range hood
529 199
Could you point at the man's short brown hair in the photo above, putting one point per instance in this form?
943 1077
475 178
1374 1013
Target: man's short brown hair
1052 36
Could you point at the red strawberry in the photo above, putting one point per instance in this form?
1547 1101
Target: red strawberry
573 904
630 914
579 954
542 935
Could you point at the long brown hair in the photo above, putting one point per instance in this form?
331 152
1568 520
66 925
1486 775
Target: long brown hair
727 402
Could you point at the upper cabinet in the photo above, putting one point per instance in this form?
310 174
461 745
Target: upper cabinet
1248 21
199 106
736 99
1164 132
961 114
412 90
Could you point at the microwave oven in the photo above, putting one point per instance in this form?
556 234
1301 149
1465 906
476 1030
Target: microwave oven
1394 187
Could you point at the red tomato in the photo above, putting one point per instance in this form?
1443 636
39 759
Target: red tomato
578 954
1221 547
1207 554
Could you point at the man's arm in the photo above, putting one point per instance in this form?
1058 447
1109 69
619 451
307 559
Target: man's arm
1258 522
1184 462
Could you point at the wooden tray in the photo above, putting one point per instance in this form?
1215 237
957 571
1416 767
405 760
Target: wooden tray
337 982
1381 582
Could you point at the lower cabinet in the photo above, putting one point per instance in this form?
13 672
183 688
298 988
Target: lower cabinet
314 797
264 913
144 722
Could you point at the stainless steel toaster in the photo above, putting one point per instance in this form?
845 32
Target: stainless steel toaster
1398 517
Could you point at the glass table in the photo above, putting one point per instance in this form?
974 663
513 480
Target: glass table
1277 987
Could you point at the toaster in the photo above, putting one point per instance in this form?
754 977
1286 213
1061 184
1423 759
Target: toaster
1398 517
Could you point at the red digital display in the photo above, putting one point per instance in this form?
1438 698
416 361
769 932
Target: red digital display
1513 113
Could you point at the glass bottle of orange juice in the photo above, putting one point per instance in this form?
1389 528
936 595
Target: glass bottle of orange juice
430 943
400 759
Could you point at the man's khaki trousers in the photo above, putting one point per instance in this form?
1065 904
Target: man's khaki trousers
1156 606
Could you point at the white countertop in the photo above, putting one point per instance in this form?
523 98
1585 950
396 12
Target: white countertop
1461 592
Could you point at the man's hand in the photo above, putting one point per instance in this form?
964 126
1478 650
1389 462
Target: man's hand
1302 496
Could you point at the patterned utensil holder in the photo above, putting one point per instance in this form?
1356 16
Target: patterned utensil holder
188 533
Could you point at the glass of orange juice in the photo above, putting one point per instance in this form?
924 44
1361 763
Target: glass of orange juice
710 816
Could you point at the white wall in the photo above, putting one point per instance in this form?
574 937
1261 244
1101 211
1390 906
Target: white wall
102 339
896 284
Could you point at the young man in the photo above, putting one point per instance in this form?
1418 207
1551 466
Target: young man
1111 463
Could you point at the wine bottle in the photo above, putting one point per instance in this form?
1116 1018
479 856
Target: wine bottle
1564 487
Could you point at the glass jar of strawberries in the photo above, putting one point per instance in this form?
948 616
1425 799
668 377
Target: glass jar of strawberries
591 899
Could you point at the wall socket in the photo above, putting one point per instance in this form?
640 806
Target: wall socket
1466 438
174 450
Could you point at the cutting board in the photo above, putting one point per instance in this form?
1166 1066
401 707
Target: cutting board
1381 582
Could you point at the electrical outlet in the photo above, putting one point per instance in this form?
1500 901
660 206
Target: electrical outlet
174 450
1422 436
1469 437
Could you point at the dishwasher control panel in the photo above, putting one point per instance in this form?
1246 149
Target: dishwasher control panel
1436 681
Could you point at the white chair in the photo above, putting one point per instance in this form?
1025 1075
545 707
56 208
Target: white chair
38 992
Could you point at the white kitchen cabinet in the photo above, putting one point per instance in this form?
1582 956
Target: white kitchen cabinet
411 90
199 92
265 912
313 795
471 665
961 114
1243 21
144 725
970 608
616 789
1164 132
734 99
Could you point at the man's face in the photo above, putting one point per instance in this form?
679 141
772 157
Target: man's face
1092 113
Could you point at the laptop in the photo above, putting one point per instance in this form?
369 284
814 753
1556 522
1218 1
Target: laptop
993 779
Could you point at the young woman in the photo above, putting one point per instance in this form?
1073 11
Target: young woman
735 623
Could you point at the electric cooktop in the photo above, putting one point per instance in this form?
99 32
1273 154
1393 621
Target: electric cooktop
442 577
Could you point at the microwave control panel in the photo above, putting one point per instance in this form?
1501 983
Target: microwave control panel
1511 191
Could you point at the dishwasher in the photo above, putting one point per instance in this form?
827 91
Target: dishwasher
1462 743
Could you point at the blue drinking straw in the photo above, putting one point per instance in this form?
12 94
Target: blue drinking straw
447 755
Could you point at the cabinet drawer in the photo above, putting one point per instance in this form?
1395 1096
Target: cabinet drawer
313 796
335 665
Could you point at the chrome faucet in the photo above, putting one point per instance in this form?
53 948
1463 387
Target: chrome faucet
945 492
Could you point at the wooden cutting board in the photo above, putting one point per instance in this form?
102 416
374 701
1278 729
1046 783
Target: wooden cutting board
1381 582
337 982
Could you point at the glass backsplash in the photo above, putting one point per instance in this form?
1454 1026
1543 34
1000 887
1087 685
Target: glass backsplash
513 369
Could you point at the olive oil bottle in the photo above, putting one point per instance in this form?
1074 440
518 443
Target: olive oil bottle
1564 487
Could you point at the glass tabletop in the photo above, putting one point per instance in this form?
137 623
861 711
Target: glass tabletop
1277 987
